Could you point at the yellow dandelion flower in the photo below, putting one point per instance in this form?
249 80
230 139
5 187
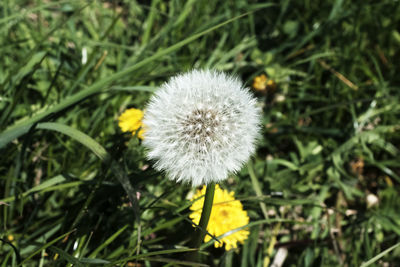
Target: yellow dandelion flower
262 83
10 237
259 82
227 214
131 121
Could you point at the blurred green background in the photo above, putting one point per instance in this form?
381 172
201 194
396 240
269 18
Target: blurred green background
323 188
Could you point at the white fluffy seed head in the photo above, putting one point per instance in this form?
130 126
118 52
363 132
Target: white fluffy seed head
200 126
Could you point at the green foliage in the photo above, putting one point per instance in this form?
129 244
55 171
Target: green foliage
75 191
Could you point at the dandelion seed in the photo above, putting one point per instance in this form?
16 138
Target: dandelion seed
227 214
217 136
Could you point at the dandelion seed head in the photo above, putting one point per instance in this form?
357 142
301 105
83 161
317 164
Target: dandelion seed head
201 126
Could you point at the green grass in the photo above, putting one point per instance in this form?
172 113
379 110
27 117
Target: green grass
69 178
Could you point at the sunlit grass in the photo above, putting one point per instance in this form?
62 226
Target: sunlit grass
75 190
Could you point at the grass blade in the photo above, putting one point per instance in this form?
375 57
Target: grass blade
45 246
84 139
380 255
107 242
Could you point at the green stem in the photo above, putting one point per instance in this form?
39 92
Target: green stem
201 231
